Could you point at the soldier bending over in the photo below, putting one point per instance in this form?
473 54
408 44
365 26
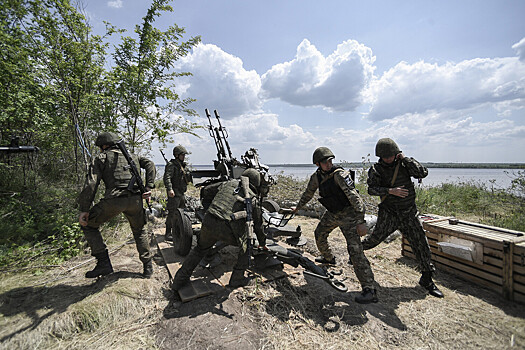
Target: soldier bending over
218 225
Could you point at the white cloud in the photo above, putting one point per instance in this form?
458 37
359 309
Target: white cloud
264 129
334 82
520 49
115 4
421 87
219 82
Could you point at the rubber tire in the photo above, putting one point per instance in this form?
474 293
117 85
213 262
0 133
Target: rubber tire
270 205
182 233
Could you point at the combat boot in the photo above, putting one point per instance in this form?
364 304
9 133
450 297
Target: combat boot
367 296
238 279
168 235
323 260
148 269
103 266
426 282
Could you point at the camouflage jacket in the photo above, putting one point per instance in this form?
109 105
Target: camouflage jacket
380 177
347 186
230 199
177 177
111 167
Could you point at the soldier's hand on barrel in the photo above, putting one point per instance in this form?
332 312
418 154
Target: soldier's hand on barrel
146 195
362 230
83 218
400 156
398 191
171 193
294 210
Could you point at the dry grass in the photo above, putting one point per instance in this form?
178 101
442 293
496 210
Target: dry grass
124 311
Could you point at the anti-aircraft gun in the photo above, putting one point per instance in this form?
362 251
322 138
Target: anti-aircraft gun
226 167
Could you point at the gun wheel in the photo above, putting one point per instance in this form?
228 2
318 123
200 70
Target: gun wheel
270 205
182 233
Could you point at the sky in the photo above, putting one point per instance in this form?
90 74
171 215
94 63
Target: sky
444 79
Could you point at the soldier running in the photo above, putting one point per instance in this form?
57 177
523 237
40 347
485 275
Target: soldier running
390 178
344 209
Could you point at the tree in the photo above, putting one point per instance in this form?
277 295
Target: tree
141 83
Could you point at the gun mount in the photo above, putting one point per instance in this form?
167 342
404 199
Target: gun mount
226 167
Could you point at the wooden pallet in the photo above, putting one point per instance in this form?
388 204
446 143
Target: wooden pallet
206 281
483 255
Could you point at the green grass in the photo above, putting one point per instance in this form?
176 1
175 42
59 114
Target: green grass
474 201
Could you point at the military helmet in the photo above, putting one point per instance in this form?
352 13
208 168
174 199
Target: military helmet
106 138
179 150
254 176
386 147
321 154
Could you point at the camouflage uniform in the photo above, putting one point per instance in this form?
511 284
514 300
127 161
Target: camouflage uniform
110 166
396 212
176 178
346 212
218 225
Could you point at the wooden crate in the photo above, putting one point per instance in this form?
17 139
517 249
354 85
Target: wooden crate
487 255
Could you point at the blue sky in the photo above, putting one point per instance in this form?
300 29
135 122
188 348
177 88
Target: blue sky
445 79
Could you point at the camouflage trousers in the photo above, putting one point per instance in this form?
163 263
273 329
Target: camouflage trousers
406 221
347 222
108 208
173 204
213 230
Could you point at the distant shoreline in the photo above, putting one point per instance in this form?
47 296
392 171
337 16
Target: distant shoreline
427 164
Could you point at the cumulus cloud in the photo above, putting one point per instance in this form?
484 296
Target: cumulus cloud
219 82
115 4
310 79
520 49
264 129
421 87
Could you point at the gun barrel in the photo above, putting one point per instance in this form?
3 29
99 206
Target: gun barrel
224 133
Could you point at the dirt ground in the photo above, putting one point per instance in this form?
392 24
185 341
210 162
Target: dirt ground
59 308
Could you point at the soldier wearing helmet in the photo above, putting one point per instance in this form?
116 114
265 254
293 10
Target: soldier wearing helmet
344 209
176 178
391 179
219 225
111 167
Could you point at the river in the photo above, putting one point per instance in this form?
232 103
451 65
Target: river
498 178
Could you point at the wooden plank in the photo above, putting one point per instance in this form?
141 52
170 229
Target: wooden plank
486 242
519 298
490 233
508 281
193 290
519 279
458 262
462 274
490 256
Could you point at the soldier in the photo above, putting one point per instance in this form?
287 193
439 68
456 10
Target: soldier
218 225
111 167
390 178
344 209
176 179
